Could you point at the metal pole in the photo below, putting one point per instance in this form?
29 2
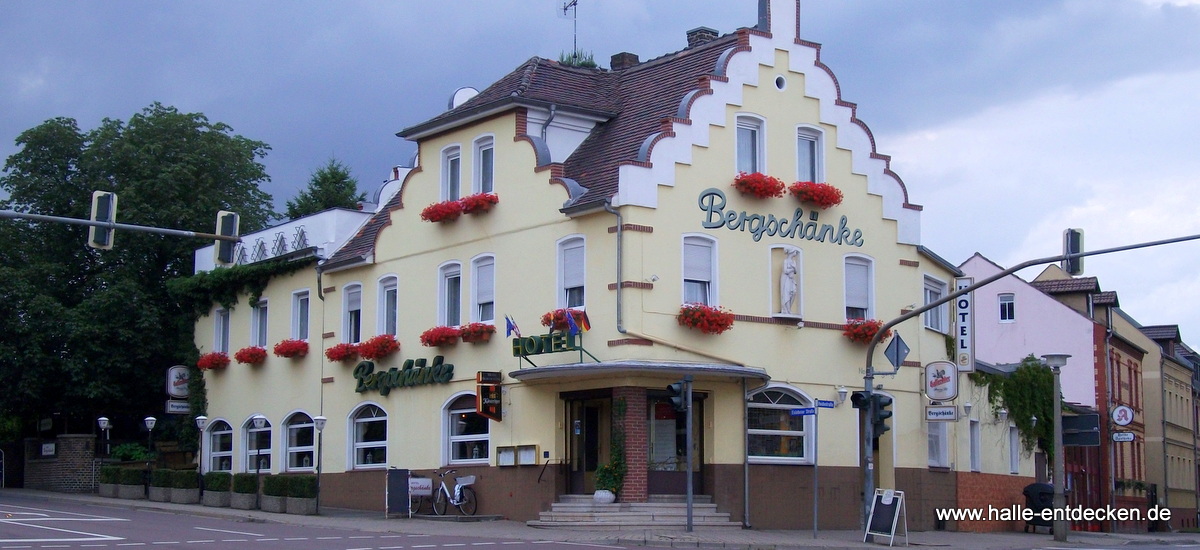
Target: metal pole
115 225
1060 503
816 477
689 440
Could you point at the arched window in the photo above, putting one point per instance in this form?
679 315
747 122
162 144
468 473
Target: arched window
258 446
450 295
370 437
484 289
809 153
451 173
220 446
773 434
352 314
467 432
300 437
484 165
859 287
750 150
388 305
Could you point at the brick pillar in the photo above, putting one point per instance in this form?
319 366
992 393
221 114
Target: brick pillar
637 444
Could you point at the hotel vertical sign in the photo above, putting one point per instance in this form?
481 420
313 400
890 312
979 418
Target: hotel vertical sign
964 326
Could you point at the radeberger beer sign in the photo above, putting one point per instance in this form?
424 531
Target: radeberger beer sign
413 373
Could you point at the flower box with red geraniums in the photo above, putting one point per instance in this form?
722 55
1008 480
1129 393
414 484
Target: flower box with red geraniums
445 211
477 332
342 352
440 336
759 185
821 195
479 202
860 331
378 347
213 360
251 355
291 348
706 319
557 319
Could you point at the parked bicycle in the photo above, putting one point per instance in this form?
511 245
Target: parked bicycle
462 497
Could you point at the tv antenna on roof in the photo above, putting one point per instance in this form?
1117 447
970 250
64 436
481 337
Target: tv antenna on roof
572 5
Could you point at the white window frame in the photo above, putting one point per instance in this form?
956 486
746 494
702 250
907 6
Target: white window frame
816 137
248 435
975 433
451 173
866 261
938 318
757 159
259 317
356 445
449 438
691 271
572 271
219 429
449 300
301 315
388 317
805 401
352 315
483 288
221 330
1010 299
939 444
296 422
1014 450
484 179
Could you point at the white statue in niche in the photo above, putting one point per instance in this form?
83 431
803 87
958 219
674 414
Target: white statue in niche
789 283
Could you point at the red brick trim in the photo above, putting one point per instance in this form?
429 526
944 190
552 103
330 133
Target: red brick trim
327 380
630 342
327 335
329 290
910 263
787 321
632 284
633 227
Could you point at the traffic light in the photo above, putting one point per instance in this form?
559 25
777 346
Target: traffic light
104 209
880 414
678 395
227 225
859 400
1073 244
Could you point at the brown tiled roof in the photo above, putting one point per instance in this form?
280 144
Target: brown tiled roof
1161 332
1060 286
1106 298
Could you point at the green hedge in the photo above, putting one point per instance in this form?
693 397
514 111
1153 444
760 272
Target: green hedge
130 476
217 481
275 485
303 486
245 483
110 475
185 479
161 477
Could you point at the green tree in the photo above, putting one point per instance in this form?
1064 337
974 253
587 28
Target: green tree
331 186
1027 392
84 332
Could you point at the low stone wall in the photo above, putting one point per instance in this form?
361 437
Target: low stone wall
65 464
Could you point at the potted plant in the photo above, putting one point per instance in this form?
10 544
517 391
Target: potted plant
477 332
217 486
213 360
185 486
704 318
131 483
556 319
860 331
445 211
821 195
251 355
291 349
759 185
109 478
274 493
245 491
609 478
440 336
302 495
160 485
378 347
479 202
342 352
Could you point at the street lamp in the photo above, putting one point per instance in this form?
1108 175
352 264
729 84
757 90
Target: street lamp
1056 361
201 423
105 425
259 422
150 422
319 422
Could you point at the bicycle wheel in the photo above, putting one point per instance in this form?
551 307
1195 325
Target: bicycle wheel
414 504
468 504
440 500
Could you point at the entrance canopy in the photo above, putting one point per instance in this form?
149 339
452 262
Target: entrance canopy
610 369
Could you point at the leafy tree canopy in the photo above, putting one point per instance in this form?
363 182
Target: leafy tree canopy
84 332
1027 392
331 186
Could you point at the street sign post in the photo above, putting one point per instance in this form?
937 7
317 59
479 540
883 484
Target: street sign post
896 351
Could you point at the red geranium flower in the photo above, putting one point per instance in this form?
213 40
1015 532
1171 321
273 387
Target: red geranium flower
477 332
479 202
706 319
342 352
252 355
822 195
440 336
862 330
379 347
759 185
291 348
446 211
214 360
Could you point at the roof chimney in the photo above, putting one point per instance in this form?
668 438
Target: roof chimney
623 60
700 35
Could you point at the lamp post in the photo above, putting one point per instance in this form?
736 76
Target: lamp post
319 422
150 422
105 425
259 421
201 423
1056 361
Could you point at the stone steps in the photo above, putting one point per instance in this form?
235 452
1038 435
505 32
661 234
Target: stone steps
663 511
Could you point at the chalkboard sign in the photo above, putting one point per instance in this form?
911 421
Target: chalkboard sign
396 494
886 508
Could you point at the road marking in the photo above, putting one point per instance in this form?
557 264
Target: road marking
329 538
482 543
201 541
230 532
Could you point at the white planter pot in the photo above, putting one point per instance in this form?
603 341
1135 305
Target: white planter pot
604 496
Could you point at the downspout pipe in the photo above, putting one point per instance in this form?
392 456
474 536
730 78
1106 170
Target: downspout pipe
546 125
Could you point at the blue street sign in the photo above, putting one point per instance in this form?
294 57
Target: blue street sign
824 404
896 351
804 411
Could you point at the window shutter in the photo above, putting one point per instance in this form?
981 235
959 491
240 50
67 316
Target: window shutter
857 285
697 260
572 258
485 286
353 300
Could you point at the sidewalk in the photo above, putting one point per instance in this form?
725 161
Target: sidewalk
746 539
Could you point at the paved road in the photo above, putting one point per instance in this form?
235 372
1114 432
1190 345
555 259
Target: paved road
38 524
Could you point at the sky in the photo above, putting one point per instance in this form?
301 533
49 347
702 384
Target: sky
1009 121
